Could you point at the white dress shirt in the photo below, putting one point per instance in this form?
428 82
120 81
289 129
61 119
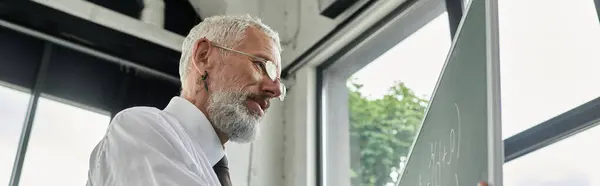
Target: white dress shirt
145 146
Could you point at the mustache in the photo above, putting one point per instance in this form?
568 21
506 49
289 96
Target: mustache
263 101
240 96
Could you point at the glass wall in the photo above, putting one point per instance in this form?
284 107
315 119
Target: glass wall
550 63
62 138
78 92
13 110
60 142
549 59
570 162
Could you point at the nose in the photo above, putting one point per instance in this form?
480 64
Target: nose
271 88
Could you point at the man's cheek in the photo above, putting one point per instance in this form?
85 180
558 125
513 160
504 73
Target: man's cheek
256 76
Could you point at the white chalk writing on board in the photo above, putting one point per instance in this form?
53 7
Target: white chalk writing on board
459 122
442 156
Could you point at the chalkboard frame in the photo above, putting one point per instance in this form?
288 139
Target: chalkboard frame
495 146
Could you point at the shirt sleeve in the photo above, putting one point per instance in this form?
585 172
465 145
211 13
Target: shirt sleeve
140 149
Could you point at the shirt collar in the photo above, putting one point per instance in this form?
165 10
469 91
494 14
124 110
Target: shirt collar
197 125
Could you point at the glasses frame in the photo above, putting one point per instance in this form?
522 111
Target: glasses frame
269 68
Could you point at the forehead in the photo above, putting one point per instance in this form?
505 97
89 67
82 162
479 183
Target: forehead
259 44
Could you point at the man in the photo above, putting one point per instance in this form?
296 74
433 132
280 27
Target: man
229 68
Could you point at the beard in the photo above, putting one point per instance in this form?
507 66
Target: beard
230 114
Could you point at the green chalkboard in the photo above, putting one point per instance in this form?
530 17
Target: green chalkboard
457 143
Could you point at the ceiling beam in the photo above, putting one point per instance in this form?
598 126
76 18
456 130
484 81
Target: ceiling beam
207 8
92 52
116 21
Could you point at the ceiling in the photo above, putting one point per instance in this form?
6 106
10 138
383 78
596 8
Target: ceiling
116 28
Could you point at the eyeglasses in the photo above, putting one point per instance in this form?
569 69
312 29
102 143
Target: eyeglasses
269 68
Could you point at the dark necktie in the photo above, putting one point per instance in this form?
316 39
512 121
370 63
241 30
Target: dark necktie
222 172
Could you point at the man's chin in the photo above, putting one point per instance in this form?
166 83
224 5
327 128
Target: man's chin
246 131
236 119
244 138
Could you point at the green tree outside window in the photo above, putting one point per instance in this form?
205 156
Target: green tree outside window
382 132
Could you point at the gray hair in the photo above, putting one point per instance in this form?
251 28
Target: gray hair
227 31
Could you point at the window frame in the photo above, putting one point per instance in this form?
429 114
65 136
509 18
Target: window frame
553 130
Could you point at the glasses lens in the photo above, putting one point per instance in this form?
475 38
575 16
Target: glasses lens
283 91
272 73
271 70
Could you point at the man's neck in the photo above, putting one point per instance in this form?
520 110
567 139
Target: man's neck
222 136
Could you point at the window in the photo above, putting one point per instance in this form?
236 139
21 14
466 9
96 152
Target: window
61 141
549 65
13 110
387 101
549 59
571 161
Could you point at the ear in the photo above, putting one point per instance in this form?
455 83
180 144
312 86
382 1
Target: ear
201 52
